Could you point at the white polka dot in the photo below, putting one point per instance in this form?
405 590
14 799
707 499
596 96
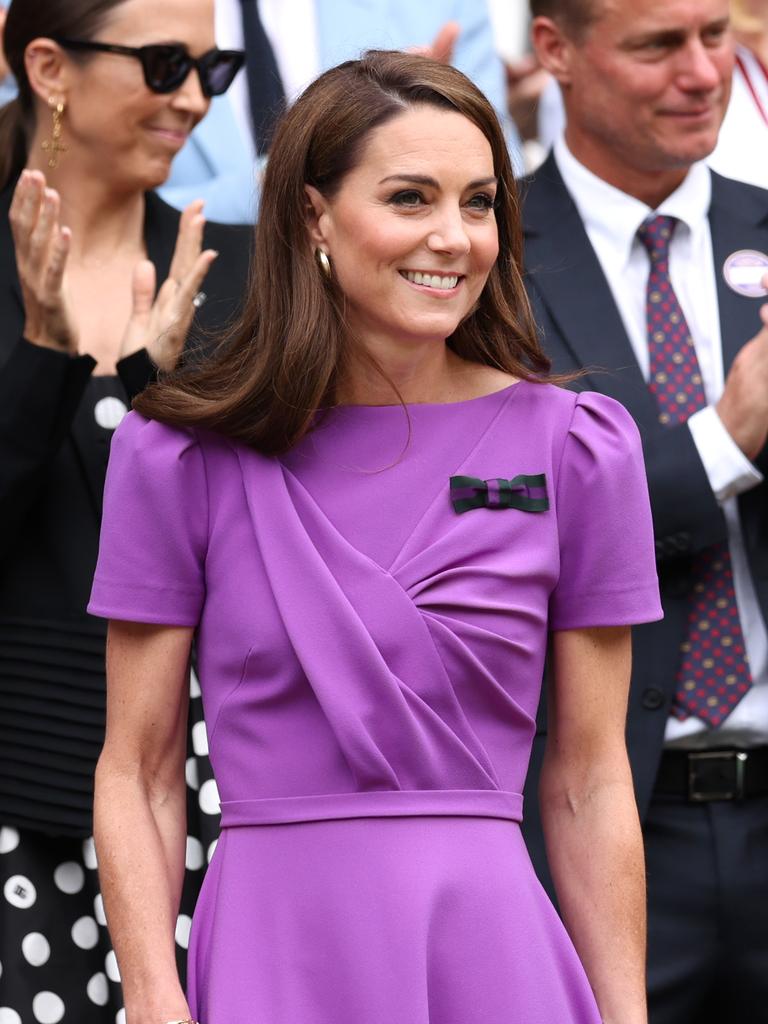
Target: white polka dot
209 797
98 989
199 739
109 412
98 909
69 877
191 773
35 948
120 1017
9 1016
183 925
110 966
195 856
20 892
9 839
194 684
47 1007
212 850
85 932
89 854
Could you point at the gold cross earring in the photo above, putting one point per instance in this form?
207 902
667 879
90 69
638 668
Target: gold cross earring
54 145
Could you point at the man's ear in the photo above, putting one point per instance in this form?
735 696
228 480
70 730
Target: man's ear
47 69
553 48
317 217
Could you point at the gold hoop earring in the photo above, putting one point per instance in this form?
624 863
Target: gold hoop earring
324 262
54 145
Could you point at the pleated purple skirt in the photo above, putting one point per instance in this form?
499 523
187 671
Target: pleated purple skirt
397 920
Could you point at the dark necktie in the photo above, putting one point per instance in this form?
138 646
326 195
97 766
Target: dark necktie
265 88
714 674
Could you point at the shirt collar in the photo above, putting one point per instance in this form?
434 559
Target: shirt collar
614 217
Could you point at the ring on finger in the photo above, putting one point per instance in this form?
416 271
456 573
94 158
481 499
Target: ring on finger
199 299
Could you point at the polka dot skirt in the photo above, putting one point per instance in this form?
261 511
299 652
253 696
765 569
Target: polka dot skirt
56 959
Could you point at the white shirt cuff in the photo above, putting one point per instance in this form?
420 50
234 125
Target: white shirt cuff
728 469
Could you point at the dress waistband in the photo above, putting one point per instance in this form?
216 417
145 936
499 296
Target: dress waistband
475 803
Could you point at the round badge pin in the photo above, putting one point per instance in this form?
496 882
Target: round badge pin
744 272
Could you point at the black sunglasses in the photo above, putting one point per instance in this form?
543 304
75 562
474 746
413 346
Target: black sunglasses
166 65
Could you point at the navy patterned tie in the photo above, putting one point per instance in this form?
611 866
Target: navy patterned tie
714 673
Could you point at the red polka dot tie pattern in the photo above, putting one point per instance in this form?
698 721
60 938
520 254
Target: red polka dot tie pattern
714 674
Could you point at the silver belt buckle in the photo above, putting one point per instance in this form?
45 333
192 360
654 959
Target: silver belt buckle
729 786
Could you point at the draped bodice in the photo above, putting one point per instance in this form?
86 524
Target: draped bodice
359 635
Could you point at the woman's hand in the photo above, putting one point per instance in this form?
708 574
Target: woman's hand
160 324
42 247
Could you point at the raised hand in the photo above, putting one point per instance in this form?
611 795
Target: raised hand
42 247
442 46
743 406
526 81
160 324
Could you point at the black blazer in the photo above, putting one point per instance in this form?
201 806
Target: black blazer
581 327
53 459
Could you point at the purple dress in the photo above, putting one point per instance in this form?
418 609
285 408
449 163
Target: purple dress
371 659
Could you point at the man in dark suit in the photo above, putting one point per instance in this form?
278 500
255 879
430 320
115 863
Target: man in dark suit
628 239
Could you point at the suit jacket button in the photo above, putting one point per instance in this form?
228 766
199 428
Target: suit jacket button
653 698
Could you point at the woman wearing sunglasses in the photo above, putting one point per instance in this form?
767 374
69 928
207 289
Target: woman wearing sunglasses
107 93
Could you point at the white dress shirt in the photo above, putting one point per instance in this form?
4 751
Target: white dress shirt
611 219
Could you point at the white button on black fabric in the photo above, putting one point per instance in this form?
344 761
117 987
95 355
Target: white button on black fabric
109 412
20 892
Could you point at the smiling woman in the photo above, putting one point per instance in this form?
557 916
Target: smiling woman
373 510
83 244
385 184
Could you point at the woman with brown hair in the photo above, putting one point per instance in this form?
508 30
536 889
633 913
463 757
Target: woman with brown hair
105 99
375 512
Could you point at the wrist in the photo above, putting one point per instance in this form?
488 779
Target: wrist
43 340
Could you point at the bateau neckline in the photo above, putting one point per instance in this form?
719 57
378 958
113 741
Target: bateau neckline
431 405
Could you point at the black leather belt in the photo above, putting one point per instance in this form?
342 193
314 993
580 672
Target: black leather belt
703 775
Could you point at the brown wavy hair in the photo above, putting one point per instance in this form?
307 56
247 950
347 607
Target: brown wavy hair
283 362
28 20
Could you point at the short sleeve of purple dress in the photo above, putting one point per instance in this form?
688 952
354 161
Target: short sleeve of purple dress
372 612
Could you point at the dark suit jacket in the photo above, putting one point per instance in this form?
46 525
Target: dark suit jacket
581 327
53 459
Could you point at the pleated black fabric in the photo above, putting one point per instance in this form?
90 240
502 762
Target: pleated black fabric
51 675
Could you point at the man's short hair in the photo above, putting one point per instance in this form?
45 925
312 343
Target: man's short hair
575 16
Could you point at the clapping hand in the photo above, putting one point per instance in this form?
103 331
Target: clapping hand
42 246
442 46
160 323
743 405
